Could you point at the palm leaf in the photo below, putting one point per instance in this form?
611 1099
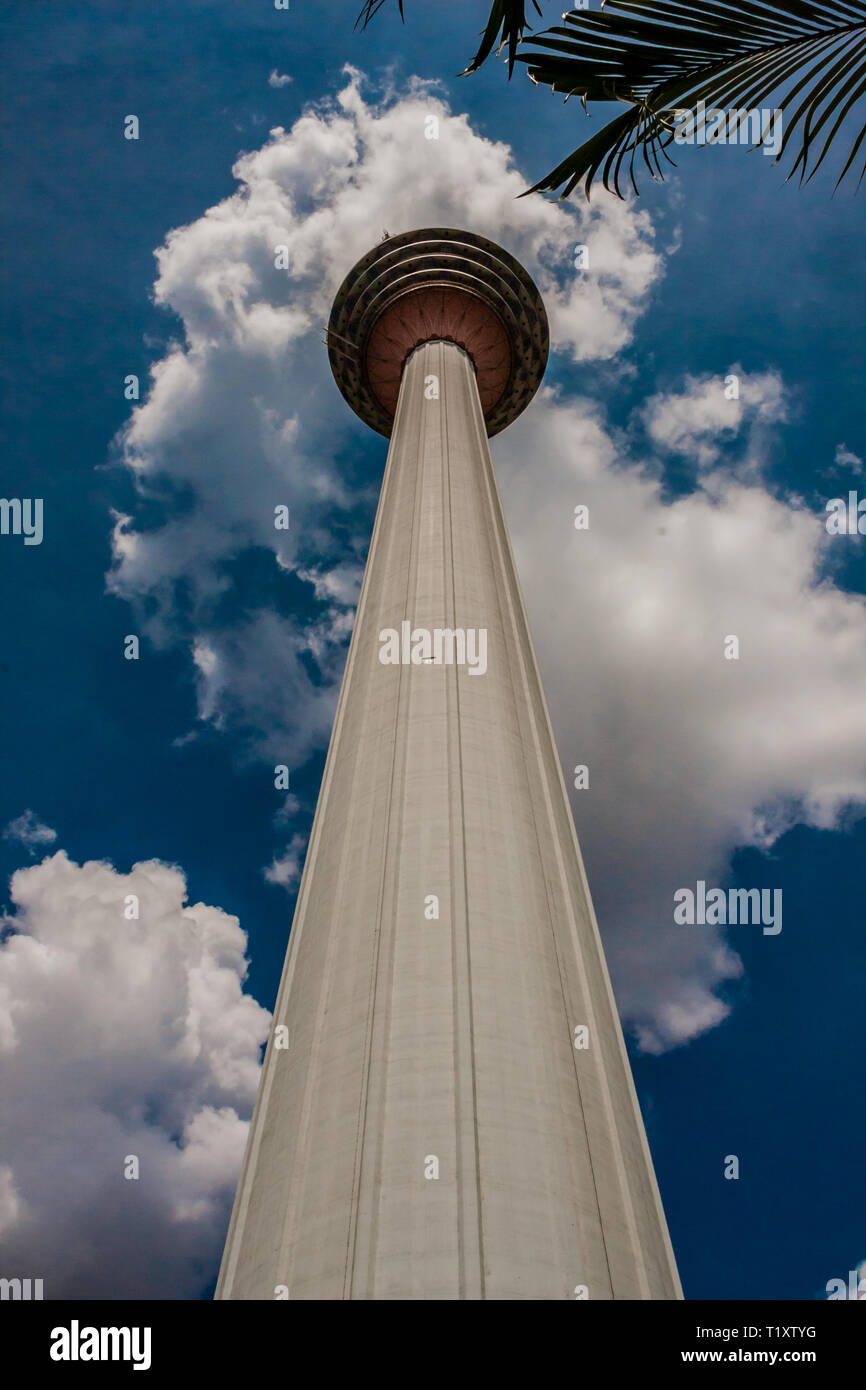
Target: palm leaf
506 24
661 56
372 7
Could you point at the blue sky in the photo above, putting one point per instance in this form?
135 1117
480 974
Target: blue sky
119 1039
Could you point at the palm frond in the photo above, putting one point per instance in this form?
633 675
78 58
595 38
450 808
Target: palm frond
664 56
506 24
372 7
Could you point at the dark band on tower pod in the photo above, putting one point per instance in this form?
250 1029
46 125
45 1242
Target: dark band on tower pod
438 284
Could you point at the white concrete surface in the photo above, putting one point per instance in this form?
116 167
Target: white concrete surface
413 1038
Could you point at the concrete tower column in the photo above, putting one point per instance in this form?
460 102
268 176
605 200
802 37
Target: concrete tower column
431 1130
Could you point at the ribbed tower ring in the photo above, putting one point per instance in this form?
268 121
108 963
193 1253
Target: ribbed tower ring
438 283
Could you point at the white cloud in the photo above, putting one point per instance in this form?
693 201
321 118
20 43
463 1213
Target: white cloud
28 830
695 421
279 79
286 868
845 458
243 415
121 1037
690 755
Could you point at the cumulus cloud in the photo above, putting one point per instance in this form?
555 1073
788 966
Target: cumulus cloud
240 417
690 755
28 830
712 409
121 1037
279 79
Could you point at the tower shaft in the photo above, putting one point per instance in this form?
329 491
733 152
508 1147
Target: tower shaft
444 948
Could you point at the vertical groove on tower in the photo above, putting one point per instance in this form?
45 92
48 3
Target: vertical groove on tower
370 1179
472 1284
